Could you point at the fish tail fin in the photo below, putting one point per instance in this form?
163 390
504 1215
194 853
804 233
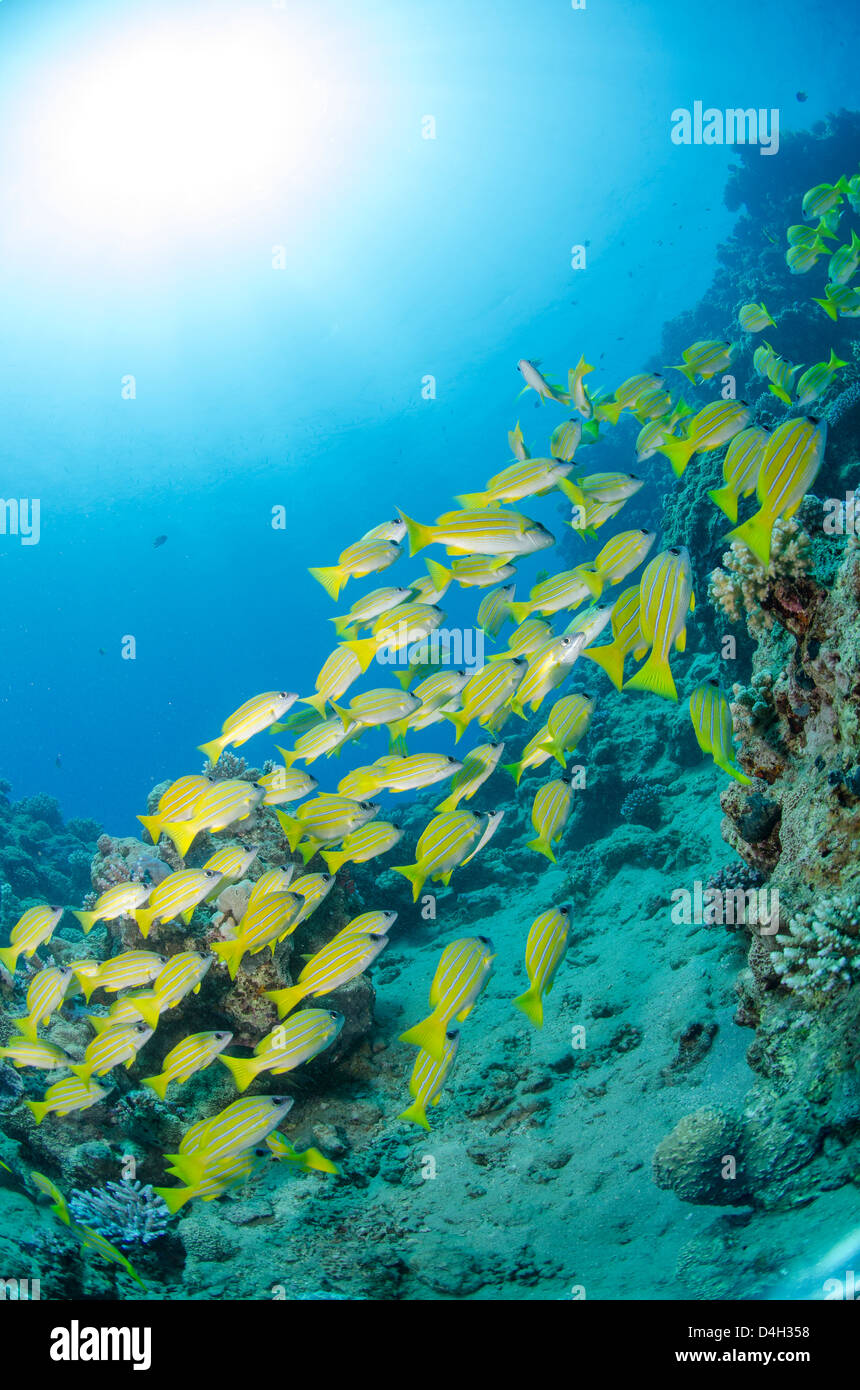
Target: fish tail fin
9 957
158 1084
291 828
285 999
611 658
242 1069
143 916
333 859
231 952
461 720
828 306
733 771
429 1035
28 1027
331 577
174 1198
152 825
86 919
656 676
416 876
39 1108
182 833
213 749
473 501
149 1011
542 847
755 534
288 755
531 1005
519 611
415 1114
515 769
686 371
727 500
397 741
450 803
611 411
572 491
440 575
364 649
307 849
82 1069
316 702
780 394
678 452
419 536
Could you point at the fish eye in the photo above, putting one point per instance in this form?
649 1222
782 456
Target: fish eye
211 873
673 550
451 759
713 682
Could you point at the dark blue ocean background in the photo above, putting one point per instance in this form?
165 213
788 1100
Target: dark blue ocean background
142 202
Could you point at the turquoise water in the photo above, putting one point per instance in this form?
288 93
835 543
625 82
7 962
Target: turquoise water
268 272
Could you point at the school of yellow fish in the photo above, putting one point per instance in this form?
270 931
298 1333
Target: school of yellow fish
484 538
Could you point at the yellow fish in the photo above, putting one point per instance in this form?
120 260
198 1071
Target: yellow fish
545 948
428 1078
249 719
712 725
665 598
463 970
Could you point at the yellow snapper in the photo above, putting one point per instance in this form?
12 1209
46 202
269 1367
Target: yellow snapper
789 465
712 725
66 1096
535 381
577 391
740 469
120 1043
705 359
313 889
840 301
708 429
591 621
620 556
215 1178
232 862
176 803
357 561
824 196
545 948
535 754
529 478
194 1053
816 380
287 1046
565 590
339 671
361 845
324 738
487 532
249 719
494 610
442 845
332 966
486 692
478 571
478 765
393 530
377 922
326 819
239 1126
565 440
275 881
34 928
665 598
24 1051
548 667
393 631
754 317
844 262
221 805
463 970
375 707
567 724
176 896
526 639
262 923
119 972
120 901
427 1079
365 610
45 993
550 812
408 773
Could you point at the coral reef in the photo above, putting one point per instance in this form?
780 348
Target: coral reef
126 1213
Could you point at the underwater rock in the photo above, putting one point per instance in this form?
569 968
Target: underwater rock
692 1160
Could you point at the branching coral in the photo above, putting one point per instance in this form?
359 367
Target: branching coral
819 955
739 588
125 1213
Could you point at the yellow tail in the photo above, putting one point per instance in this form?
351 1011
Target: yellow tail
656 676
316 702
419 536
286 999
678 452
149 1010
231 952
86 919
158 1084
450 803
515 769
331 577
727 500
415 1114
243 1069
308 848
461 720
611 658
28 1027
152 824
734 771
755 534
213 749
531 1005
182 833
416 876
474 501
175 1197
291 828
334 858
364 649
39 1108
429 1035
288 755
542 847
9 957
144 917
519 611
439 574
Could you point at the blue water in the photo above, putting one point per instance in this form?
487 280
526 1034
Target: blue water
302 387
